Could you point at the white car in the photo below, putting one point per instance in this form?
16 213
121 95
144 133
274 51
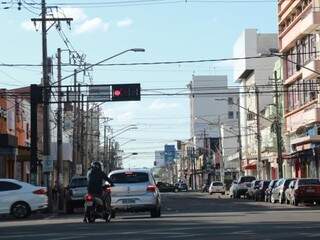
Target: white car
217 187
20 198
135 190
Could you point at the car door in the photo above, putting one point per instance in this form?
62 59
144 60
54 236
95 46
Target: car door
8 192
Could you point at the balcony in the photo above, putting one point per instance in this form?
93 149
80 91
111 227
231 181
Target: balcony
305 140
307 22
303 73
302 118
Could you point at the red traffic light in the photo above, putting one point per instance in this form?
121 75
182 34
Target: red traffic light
117 93
126 92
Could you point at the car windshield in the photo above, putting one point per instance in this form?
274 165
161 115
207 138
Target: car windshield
130 177
287 182
266 183
247 179
78 182
217 184
309 182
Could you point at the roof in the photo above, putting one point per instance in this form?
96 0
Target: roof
145 170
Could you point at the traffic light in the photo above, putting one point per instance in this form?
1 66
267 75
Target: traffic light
126 92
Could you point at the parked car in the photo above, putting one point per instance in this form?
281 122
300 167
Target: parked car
20 199
252 189
289 192
243 184
217 187
231 189
277 194
181 187
165 187
260 192
306 190
75 192
267 195
135 190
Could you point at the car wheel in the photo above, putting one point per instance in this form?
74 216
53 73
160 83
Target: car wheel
210 193
176 190
280 199
223 193
20 210
295 202
272 199
156 212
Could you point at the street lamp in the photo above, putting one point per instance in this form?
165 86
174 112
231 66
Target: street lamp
100 62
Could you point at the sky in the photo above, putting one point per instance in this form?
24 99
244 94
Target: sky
168 31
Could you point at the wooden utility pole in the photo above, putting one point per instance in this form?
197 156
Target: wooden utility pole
74 130
258 133
278 127
59 180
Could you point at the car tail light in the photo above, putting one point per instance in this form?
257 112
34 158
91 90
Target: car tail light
88 198
41 191
151 188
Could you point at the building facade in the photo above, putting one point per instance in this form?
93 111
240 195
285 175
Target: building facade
214 125
253 76
299 39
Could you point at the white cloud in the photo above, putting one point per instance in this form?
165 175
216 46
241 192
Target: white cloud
77 14
92 25
160 105
29 26
125 23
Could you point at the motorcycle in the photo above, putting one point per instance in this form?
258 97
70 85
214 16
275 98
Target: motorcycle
95 208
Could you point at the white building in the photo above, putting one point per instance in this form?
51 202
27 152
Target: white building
213 114
252 74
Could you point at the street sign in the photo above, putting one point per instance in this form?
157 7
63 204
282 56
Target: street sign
169 153
99 93
47 164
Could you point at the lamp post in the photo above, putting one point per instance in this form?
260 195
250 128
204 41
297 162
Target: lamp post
109 152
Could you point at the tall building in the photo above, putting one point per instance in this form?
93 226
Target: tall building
299 39
253 76
214 124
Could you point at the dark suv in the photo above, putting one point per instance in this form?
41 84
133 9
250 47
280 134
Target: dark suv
75 193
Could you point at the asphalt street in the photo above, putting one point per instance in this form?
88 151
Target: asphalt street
185 216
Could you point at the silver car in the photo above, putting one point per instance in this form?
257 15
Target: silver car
135 190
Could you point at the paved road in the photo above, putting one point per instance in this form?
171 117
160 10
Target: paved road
185 216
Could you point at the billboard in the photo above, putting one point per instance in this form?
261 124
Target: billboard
169 153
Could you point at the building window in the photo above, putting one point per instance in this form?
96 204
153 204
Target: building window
238 115
230 100
230 115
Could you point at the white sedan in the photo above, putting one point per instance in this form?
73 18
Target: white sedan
20 198
216 187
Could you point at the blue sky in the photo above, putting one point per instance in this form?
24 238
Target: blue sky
168 32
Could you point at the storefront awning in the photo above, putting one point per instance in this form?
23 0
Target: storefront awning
250 166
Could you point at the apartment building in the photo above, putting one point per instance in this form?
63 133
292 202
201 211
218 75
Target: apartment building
214 124
252 74
299 39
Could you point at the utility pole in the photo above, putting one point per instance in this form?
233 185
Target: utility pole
74 132
59 180
104 147
239 140
79 128
46 92
82 143
258 133
278 127
86 138
221 151
46 99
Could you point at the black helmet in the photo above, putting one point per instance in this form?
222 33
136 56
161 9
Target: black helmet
96 165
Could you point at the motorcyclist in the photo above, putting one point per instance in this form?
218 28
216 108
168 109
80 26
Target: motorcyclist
96 179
